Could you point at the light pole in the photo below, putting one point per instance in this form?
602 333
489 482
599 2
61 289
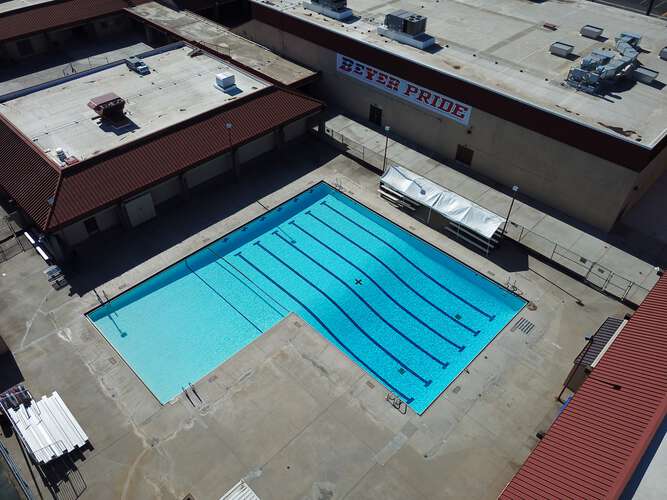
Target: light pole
387 128
229 126
515 190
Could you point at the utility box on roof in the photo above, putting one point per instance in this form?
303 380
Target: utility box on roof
590 31
561 49
644 75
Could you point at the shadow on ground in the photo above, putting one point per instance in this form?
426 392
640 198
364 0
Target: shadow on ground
10 374
116 251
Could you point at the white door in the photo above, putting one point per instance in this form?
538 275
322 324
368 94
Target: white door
140 210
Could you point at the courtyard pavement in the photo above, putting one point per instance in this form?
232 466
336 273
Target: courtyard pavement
290 413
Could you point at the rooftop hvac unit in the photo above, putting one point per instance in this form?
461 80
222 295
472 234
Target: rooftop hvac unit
408 28
598 71
406 22
337 5
335 9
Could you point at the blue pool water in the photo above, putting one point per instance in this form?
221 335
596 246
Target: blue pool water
407 313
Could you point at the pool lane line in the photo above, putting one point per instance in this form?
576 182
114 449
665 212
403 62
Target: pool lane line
403 335
372 280
451 292
376 258
364 332
263 299
349 351
220 295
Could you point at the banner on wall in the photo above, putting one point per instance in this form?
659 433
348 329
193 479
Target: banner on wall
404 89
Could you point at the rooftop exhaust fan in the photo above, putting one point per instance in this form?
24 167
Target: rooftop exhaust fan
109 107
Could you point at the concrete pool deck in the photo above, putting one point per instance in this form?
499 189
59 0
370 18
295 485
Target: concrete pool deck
290 413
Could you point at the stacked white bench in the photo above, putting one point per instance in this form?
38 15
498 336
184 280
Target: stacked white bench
47 428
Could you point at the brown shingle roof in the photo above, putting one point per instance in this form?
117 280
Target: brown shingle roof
42 17
103 180
595 445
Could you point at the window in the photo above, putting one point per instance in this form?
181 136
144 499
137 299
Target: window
91 225
25 47
375 115
464 155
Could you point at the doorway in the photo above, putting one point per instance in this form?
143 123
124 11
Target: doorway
375 115
464 155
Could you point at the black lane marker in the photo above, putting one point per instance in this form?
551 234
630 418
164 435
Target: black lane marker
451 292
366 334
220 295
445 313
386 294
333 335
263 299
408 339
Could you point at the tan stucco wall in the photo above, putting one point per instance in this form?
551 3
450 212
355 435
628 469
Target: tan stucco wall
547 170
647 178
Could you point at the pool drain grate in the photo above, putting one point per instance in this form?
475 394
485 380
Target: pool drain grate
523 325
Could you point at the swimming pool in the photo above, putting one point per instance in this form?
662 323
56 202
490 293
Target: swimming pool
408 314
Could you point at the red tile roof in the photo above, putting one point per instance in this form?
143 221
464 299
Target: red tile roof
105 179
42 17
595 445
26 174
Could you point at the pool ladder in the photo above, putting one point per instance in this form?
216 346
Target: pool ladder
194 391
397 403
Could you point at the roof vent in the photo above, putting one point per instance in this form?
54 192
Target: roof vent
225 80
408 28
335 9
109 107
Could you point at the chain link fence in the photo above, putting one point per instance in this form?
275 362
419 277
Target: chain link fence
595 274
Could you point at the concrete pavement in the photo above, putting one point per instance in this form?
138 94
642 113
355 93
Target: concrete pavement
289 413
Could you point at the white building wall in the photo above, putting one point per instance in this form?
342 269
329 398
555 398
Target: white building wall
208 170
255 148
295 129
166 190
74 233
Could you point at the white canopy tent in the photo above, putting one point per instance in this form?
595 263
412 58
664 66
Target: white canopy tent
452 206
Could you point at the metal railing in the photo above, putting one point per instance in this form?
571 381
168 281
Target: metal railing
592 272
16 473
10 241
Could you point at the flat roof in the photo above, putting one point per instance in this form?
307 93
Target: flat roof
11 5
179 87
503 46
215 37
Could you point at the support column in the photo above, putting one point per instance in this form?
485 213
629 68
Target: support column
56 248
124 218
235 164
279 138
185 189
